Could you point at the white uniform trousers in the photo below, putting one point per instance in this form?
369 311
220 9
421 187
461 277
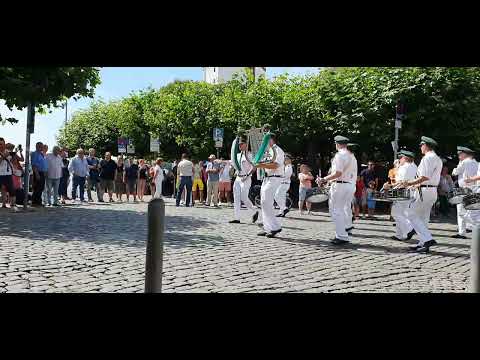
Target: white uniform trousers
240 193
418 213
402 224
461 219
348 211
269 188
158 189
340 197
281 196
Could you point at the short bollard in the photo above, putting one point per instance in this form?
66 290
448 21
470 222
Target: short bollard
475 261
154 258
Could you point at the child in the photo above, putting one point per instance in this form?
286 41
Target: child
370 200
305 178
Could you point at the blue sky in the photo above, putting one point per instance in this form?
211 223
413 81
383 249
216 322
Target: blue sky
117 82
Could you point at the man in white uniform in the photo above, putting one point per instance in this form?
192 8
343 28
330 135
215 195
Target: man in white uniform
407 171
274 173
473 216
343 177
281 194
348 206
418 212
467 168
243 181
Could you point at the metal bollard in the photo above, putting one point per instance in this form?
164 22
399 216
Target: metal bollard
475 261
154 257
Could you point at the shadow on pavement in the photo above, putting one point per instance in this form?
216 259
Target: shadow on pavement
105 226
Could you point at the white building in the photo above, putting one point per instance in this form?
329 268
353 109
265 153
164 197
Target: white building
216 75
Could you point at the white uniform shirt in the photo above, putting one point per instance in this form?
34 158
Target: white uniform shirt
407 171
288 171
245 166
344 162
431 167
465 169
355 165
280 160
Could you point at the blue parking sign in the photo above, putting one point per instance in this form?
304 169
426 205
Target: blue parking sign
217 134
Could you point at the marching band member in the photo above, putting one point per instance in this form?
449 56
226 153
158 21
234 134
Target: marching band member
274 173
467 168
343 176
473 216
243 181
281 194
348 206
406 171
418 213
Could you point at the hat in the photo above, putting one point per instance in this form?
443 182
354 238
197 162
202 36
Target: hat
242 138
464 149
352 145
341 139
406 153
428 141
211 157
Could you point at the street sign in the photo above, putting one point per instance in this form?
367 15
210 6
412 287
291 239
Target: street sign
154 145
130 147
217 134
398 124
122 145
394 146
219 144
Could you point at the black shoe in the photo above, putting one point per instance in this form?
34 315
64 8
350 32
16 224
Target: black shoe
255 217
260 224
349 229
272 234
414 248
394 224
458 236
337 241
285 212
280 215
101 201
234 222
430 243
469 231
410 234
395 238
262 233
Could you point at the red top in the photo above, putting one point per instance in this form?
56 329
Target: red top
359 189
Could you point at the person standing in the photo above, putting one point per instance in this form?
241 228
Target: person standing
39 168
185 171
467 168
119 179
305 178
367 176
243 181
108 169
342 176
63 186
93 180
444 187
225 182
6 177
142 179
213 173
197 182
54 174
406 171
281 194
274 173
80 170
44 193
131 179
158 177
418 213
348 206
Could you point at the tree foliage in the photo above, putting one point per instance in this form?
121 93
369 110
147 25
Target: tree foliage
45 86
306 111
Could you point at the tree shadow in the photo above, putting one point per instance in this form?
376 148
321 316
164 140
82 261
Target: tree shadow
104 226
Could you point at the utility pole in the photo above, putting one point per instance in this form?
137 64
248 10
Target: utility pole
399 116
30 127
66 107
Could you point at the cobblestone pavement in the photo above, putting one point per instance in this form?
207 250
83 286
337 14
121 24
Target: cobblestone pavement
101 248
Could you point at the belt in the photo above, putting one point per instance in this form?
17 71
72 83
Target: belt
276 176
429 186
245 175
342 182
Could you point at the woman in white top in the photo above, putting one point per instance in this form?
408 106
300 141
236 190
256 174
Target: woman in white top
158 178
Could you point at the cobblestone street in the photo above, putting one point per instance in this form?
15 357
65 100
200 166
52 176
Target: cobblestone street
101 248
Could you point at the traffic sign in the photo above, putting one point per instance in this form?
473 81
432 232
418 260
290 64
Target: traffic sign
122 145
219 144
217 134
154 145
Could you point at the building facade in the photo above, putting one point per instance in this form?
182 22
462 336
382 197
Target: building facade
216 75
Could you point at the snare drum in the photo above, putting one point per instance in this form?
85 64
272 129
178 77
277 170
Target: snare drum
471 201
456 195
392 195
317 195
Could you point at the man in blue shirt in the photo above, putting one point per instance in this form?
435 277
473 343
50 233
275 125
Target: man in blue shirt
39 167
93 180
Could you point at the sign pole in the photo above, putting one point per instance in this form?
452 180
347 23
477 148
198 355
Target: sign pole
26 177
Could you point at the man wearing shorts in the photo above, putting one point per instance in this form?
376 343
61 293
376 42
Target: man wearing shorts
6 176
108 169
225 184
197 181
